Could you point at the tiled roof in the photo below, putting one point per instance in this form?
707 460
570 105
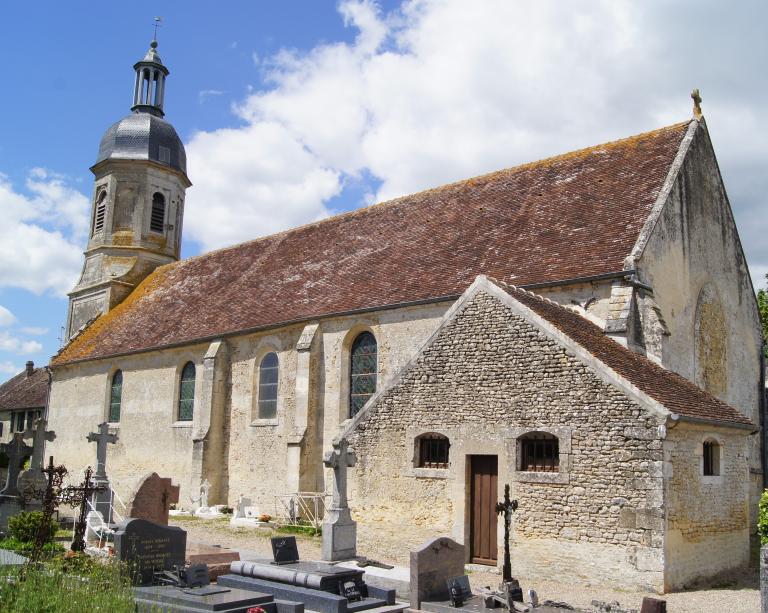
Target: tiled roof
570 216
671 390
25 391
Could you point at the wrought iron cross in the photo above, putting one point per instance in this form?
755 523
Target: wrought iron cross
39 436
101 438
17 451
507 507
341 458
78 495
54 477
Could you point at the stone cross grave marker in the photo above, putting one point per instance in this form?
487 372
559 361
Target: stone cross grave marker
339 530
17 451
101 438
39 436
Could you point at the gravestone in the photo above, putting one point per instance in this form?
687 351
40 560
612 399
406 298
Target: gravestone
149 547
153 498
11 501
33 479
432 565
339 529
653 605
284 550
102 499
240 508
764 579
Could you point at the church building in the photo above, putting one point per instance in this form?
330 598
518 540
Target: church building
583 328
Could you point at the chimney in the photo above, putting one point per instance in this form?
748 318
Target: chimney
30 368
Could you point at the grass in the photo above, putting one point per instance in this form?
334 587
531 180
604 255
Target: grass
67 585
25 547
304 530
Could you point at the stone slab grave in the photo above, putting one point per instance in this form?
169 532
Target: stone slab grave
11 558
153 498
216 558
432 565
320 586
149 547
397 578
169 599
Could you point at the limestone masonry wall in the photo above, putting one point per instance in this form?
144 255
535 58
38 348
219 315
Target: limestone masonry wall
488 377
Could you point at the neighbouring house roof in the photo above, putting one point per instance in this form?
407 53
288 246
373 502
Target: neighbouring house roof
575 215
25 391
674 392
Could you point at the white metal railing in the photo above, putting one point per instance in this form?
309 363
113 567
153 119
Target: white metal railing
293 509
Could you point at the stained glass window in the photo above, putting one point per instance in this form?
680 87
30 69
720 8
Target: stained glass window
157 220
268 371
115 396
187 392
362 372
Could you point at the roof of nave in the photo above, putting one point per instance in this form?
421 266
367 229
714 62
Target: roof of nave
674 392
569 216
25 391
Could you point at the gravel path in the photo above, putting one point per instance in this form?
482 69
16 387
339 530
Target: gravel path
738 594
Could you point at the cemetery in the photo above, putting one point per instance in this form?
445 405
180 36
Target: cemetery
138 562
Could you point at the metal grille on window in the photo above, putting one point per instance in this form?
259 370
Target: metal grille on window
187 392
539 453
115 396
711 459
433 451
268 375
101 209
157 220
362 383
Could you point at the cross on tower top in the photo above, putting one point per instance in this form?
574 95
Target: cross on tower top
696 103
17 451
101 439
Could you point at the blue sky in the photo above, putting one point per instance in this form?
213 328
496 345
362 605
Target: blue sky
292 111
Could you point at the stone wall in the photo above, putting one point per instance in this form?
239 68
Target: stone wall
487 377
707 516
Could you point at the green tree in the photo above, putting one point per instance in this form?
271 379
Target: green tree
762 306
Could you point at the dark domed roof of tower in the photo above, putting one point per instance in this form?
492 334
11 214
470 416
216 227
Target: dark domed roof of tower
143 136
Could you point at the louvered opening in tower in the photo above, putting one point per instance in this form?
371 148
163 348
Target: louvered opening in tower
100 213
157 221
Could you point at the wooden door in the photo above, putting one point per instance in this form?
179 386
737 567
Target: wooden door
482 521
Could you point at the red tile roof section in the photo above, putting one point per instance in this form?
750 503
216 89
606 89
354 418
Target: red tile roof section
575 215
25 391
671 390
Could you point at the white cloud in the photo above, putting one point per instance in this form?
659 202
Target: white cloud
43 234
9 342
9 368
34 331
6 317
439 90
203 95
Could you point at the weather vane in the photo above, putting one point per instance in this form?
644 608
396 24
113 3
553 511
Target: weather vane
157 25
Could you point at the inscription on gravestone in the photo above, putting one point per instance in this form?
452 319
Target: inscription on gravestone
284 550
150 547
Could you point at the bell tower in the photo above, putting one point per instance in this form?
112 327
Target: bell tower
138 200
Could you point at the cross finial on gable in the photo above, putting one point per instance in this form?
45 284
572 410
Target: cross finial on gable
696 103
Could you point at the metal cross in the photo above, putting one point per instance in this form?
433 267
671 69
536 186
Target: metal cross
78 495
54 476
507 507
696 103
17 451
39 436
101 439
341 458
157 21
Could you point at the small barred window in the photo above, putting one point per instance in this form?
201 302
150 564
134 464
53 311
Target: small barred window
157 220
362 372
187 392
268 379
539 452
711 459
100 212
115 396
433 451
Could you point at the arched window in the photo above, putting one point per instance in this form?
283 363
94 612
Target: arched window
433 450
268 371
539 452
362 371
115 396
100 211
187 392
711 459
157 220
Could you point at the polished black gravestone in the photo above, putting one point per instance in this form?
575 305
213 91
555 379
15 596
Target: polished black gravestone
168 599
149 547
284 550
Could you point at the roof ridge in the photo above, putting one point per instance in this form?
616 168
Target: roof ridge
445 186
